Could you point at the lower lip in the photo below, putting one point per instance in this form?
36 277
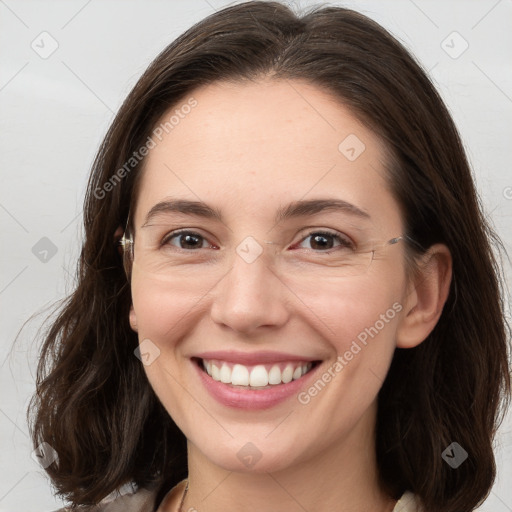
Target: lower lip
240 398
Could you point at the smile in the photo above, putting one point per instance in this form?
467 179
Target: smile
259 376
253 386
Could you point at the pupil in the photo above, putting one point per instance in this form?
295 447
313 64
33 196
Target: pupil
189 240
323 245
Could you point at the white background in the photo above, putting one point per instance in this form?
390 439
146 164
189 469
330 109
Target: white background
55 111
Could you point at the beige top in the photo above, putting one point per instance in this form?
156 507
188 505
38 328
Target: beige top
143 500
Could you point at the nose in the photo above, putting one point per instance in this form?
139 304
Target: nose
251 295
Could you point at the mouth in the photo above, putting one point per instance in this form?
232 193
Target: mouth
255 377
246 382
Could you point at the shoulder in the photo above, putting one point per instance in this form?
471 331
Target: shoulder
127 499
408 503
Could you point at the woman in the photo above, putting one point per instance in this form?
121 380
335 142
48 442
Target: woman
287 295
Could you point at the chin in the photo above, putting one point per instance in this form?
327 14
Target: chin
252 456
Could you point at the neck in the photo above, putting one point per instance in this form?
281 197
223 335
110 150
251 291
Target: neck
342 478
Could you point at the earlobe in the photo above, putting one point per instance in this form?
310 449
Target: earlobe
426 298
133 319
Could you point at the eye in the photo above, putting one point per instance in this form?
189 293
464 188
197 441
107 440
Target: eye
187 240
322 241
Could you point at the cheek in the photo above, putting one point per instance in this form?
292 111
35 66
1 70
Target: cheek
359 322
161 307
161 311
358 309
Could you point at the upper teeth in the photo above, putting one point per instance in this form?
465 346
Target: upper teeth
255 376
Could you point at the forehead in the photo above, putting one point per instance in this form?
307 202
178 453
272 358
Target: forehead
253 146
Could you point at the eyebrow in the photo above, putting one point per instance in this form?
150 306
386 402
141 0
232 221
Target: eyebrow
295 209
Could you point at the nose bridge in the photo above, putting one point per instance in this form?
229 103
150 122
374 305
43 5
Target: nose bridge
250 249
250 295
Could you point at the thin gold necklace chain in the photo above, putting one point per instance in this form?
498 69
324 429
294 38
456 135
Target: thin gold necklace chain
183 498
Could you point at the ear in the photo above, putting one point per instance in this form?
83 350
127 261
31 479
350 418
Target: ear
426 297
133 319
117 236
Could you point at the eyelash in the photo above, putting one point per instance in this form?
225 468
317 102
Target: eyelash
345 242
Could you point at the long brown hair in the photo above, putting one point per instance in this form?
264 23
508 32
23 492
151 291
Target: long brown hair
94 404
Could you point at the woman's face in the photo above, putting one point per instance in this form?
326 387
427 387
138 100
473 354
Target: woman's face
220 297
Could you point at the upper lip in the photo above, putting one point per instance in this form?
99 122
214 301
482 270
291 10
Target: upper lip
253 358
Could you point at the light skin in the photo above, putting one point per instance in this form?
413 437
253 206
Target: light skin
248 149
